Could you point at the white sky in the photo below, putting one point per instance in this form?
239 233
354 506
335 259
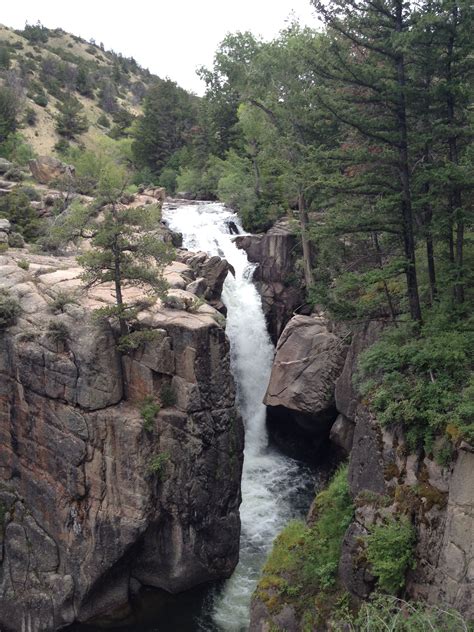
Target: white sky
170 37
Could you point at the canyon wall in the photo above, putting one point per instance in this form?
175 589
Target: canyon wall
94 501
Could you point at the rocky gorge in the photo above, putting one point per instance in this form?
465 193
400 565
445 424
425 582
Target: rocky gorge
93 501
312 393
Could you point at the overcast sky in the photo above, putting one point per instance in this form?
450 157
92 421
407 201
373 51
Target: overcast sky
171 38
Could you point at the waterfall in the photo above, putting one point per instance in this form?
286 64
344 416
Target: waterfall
272 484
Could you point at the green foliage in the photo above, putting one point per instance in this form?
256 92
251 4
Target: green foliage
60 301
304 559
16 207
136 339
9 107
422 379
167 396
31 117
36 33
58 332
15 240
334 511
148 411
103 120
71 122
167 119
384 613
23 264
10 310
5 58
16 149
390 551
158 463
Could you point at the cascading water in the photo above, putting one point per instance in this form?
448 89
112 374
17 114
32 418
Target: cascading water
272 484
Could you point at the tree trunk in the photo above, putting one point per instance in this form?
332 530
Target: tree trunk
118 282
378 250
457 246
305 243
404 170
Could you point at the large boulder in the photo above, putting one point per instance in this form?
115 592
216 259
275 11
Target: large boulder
45 169
308 360
300 394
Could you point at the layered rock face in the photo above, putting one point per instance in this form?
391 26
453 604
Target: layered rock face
275 278
91 500
439 500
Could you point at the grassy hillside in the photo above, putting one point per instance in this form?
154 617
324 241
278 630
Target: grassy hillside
45 67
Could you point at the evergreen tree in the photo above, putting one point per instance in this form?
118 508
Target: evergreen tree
125 247
168 116
71 122
366 87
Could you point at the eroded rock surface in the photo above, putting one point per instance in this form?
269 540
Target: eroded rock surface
300 394
279 286
92 500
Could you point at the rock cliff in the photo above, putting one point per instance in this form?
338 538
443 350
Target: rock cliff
93 499
275 277
438 499
311 373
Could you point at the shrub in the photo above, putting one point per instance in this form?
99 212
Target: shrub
41 99
16 207
15 174
15 240
60 301
31 193
103 120
388 614
31 118
304 559
71 121
136 339
58 332
23 264
167 396
148 411
390 551
157 465
422 379
9 310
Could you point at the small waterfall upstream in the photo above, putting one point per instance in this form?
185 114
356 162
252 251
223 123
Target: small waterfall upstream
275 488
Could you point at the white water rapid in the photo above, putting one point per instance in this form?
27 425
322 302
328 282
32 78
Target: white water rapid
272 484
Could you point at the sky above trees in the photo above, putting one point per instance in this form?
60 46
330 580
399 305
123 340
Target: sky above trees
171 38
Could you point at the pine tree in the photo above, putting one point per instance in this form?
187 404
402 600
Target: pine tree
71 122
366 88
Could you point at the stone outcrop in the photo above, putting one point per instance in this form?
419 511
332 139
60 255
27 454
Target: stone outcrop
93 501
45 169
385 478
279 286
308 360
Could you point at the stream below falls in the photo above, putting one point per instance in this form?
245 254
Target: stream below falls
275 488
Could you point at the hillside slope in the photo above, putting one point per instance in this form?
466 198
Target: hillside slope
44 67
